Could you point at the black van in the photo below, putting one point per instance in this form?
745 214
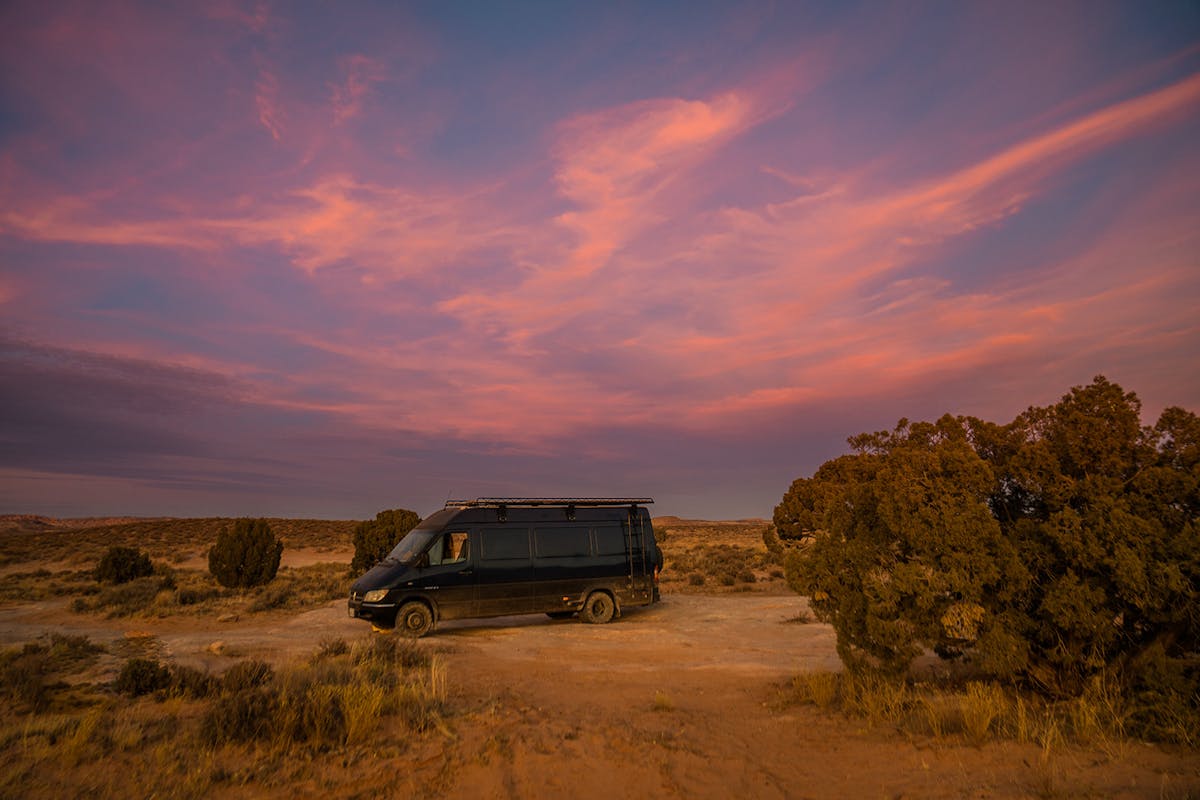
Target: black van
495 556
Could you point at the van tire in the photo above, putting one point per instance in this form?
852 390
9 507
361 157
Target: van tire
414 619
598 608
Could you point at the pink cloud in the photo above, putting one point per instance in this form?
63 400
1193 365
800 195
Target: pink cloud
614 165
383 230
266 100
360 73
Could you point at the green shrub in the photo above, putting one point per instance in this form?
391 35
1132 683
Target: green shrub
774 545
245 555
123 564
374 539
696 579
1051 550
142 676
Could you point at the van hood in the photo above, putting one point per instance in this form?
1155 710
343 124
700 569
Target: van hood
383 575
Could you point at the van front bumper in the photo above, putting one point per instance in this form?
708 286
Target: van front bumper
379 613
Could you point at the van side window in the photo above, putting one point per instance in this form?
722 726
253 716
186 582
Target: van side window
505 544
561 542
455 547
610 541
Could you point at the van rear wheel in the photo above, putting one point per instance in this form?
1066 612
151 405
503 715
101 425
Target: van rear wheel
414 619
598 608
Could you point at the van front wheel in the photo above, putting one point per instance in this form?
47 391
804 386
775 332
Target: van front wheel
598 608
414 619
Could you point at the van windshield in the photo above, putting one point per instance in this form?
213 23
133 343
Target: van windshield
409 549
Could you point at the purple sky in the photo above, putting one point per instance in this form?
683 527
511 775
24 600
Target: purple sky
321 259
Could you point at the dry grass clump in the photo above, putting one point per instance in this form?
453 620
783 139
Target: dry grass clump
662 702
27 673
339 697
171 728
973 711
42 584
194 592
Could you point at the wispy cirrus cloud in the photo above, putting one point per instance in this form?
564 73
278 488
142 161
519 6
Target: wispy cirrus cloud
382 230
360 73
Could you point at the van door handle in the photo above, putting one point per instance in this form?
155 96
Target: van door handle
467 571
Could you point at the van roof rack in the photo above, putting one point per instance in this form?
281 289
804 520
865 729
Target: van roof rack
499 502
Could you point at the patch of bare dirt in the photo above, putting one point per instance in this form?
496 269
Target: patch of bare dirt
676 700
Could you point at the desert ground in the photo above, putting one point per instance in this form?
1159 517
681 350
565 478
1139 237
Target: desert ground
688 698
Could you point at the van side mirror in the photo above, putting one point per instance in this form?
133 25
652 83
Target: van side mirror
423 561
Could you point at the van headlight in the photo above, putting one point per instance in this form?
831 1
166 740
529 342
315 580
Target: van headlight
375 595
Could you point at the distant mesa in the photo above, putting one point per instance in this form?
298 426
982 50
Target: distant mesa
668 521
35 523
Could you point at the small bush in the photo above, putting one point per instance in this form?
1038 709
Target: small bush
746 576
142 676
273 597
696 579
243 716
191 682
72 653
123 564
123 599
773 544
313 712
245 675
390 652
662 702
245 555
22 675
331 648
195 595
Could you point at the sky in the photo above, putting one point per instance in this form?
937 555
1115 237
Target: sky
315 259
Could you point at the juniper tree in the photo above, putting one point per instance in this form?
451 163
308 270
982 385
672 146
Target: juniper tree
1049 549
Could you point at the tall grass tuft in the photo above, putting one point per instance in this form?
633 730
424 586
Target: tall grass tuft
818 688
981 706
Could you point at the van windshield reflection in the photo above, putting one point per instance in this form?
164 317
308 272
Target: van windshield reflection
408 550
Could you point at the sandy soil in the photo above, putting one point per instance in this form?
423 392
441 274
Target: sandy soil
676 700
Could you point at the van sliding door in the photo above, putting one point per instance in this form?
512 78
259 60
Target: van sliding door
504 572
